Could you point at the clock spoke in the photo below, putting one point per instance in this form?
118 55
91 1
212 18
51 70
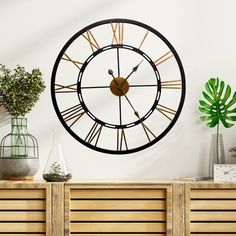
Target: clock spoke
142 85
120 110
95 87
118 62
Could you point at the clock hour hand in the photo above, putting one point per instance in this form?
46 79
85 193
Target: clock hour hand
110 72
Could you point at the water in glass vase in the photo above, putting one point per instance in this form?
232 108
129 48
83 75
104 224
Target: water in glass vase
19 137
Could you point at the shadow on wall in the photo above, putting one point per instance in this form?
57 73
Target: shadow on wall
52 31
4 117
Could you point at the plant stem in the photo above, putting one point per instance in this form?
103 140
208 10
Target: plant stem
217 144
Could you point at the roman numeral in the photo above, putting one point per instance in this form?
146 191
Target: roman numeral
148 132
76 63
94 133
73 114
92 41
121 140
72 88
118 33
145 36
171 84
166 111
163 58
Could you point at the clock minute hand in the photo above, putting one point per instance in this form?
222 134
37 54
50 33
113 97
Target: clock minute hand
133 70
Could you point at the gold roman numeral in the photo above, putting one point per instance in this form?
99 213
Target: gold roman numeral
92 41
72 88
73 114
171 84
118 33
163 58
121 140
144 37
76 63
166 111
94 133
148 132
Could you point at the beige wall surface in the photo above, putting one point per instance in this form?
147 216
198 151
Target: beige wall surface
32 33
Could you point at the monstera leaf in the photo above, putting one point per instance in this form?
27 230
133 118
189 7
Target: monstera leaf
217 106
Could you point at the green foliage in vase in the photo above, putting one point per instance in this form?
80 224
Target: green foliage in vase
217 106
19 89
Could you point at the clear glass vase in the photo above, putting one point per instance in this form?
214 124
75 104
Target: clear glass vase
57 168
19 137
217 154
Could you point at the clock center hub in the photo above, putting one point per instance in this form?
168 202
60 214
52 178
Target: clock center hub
119 86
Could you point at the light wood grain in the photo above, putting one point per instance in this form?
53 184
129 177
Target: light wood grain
123 234
118 205
57 209
213 193
22 216
213 227
22 193
118 227
118 216
22 205
213 205
24 234
118 193
178 209
22 227
213 216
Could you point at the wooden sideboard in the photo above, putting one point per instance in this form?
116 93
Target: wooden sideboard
151 208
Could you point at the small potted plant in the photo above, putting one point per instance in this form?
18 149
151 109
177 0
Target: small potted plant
19 92
217 108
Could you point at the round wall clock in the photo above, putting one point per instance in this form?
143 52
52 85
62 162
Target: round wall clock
118 86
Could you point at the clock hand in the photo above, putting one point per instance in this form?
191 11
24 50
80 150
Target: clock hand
133 70
110 72
226 172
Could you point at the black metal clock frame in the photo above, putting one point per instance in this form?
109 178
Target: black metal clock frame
80 87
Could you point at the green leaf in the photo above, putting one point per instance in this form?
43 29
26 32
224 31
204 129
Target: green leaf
217 105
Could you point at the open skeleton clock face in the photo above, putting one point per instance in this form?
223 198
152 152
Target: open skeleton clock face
118 86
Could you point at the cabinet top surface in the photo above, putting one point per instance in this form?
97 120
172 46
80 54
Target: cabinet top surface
124 181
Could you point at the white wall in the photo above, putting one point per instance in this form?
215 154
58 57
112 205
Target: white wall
32 32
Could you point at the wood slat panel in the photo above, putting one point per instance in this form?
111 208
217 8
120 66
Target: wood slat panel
213 205
22 193
23 234
213 216
123 234
22 205
213 193
213 227
22 227
22 216
118 216
118 205
118 227
211 235
118 193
